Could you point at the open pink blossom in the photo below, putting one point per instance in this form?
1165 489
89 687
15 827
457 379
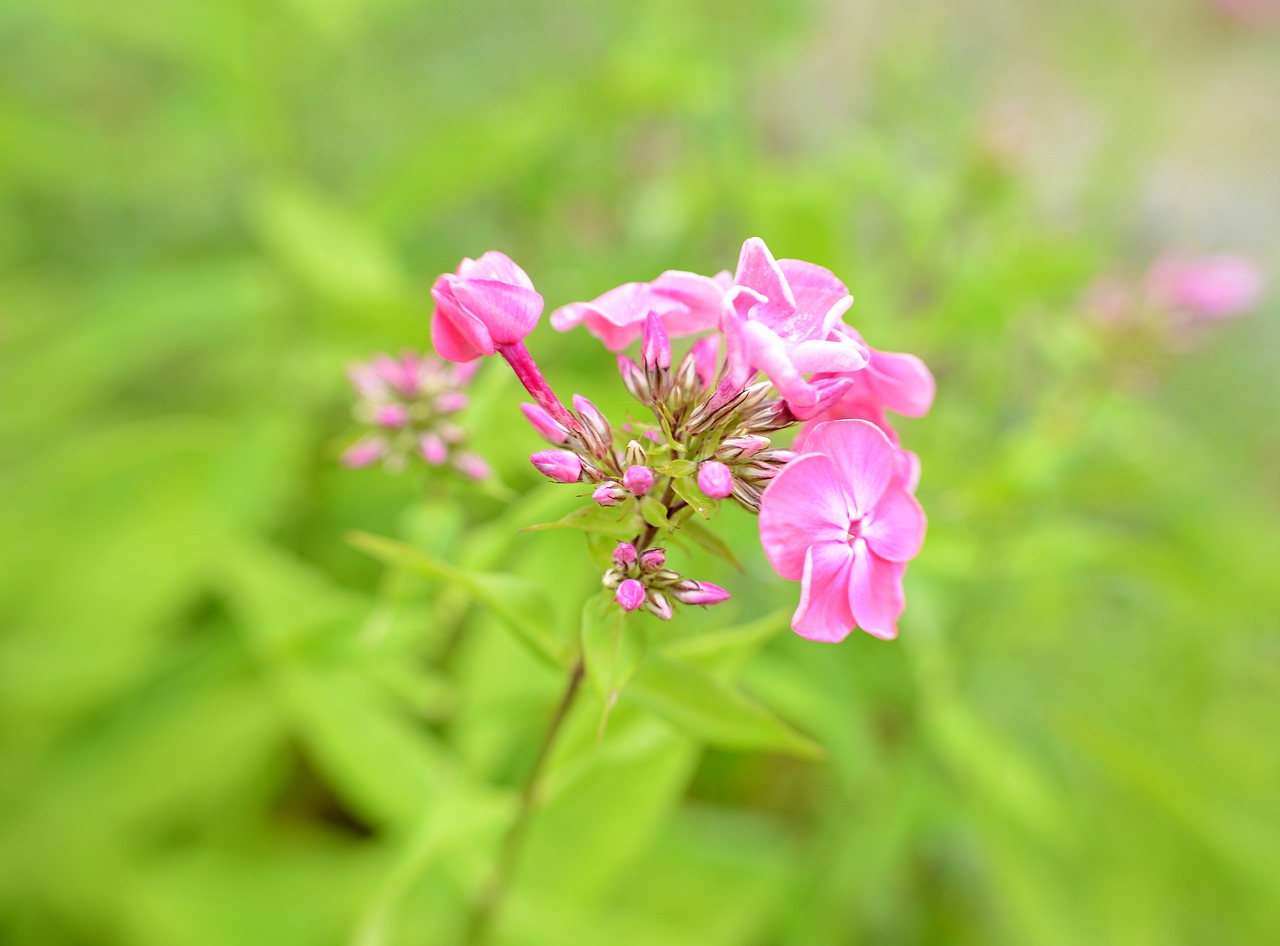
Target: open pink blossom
780 318
490 303
840 519
1209 287
686 303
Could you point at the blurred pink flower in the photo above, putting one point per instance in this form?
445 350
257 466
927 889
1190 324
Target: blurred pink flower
1249 12
685 302
780 318
841 520
489 304
1209 287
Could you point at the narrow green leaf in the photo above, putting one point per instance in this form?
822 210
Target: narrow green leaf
677 468
686 487
713 710
728 650
702 536
617 523
517 601
611 645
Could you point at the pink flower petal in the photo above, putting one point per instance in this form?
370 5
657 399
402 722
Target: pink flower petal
875 592
895 528
824 613
509 312
461 338
803 505
901 382
768 352
758 270
836 354
863 457
497 267
821 299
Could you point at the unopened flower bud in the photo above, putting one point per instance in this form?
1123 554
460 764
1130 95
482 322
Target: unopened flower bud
433 449
624 554
634 379
391 415
636 455
609 493
551 430
715 479
655 345
596 429
748 494
364 452
451 401
656 602
698 592
563 466
739 448
653 559
630 595
638 479
612 578
470 465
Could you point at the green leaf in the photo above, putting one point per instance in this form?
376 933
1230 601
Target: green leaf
617 523
677 468
728 650
654 513
611 646
713 710
686 487
517 601
702 536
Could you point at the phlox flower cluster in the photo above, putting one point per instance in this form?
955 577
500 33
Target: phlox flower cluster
771 353
407 405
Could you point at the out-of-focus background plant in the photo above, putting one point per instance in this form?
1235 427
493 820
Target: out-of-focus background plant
222 724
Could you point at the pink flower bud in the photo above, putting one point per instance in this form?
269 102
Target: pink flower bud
638 479
655 344
451 402
739 448
563 466
630 595
624 554
433 449
609 493
490 303
715 479
597 430
545 424
391 415
471 466
364 452
658 604
698 592
633 378
653 559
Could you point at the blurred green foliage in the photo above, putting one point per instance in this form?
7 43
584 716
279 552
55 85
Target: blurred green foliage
223 724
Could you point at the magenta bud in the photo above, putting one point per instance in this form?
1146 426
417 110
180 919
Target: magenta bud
391 415
638 479
653 559
563 466
655 347
624 554
715 479
452 401
433 449
739 448
659 604
546 425
363 453
698 592
609 493
630 595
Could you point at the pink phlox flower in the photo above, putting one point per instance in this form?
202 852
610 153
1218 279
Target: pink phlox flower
487 305
1209 287
686 303
780 317
840 519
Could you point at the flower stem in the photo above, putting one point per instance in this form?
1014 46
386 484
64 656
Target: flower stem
486 907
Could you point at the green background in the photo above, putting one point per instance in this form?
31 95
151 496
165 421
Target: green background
223 725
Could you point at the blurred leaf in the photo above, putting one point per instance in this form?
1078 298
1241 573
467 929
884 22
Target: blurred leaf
653 512
677 468
725 652
712 710
611 647
709 541
517 601
616 523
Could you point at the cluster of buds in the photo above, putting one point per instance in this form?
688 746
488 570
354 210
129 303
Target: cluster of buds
640 579
407 406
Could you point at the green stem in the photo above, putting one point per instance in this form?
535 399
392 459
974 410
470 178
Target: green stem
485 909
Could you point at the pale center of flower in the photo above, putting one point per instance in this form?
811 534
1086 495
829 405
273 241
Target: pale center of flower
855 529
